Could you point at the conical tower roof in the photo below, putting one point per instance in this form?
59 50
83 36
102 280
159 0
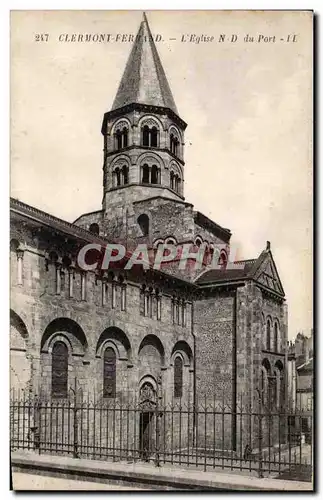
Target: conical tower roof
144 80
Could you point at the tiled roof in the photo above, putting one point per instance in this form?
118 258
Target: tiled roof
237 270
144 80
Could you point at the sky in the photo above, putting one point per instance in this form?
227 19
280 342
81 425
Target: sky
248 105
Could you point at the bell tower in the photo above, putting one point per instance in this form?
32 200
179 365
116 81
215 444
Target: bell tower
143 134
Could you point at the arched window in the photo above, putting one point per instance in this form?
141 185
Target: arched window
143 221
276 337
145 136
154 137
118 139
154 174
149 136
59 370
109 373
125 174
223 260
174 143
175 146
198 242
172 180
94 228
124 137
145 174
117 177
268 335
178 377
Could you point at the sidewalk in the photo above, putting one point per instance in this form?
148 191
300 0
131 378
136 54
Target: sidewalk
146 475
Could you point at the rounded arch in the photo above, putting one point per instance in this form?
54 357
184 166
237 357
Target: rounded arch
69 329
150 379
143 221
223 258
182 348
120 123
117 339
150 121
120 161
176 168
19 324
158 242
94 228
198 241
150 158
176 132
153 340
171 240
60 337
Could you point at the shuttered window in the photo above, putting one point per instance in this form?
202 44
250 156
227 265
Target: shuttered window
59 370
109 373
178 377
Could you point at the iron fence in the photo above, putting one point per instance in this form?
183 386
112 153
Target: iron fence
207 436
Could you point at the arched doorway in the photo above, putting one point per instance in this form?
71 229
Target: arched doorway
147 421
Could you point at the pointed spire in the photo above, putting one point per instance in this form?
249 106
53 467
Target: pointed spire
144 80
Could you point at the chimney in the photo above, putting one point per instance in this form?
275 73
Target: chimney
268 246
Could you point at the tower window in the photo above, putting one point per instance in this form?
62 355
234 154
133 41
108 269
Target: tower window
125 137
153 137
94 228
117 177
145 136
125 174
143 221
175 182
109 373
121 138
149 137
59 370
120 176
174 144
154 175
145 174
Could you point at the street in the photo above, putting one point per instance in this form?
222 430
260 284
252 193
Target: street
23 481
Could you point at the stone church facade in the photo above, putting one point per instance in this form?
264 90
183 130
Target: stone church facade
174 334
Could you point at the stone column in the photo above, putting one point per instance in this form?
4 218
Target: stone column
70 281
20 255
58 277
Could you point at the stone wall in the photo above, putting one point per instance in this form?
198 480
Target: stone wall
88 323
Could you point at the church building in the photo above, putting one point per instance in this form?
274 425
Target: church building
166 335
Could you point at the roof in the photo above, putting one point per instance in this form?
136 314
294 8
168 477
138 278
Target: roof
42 218
237 270
204 221
144 80
261 269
